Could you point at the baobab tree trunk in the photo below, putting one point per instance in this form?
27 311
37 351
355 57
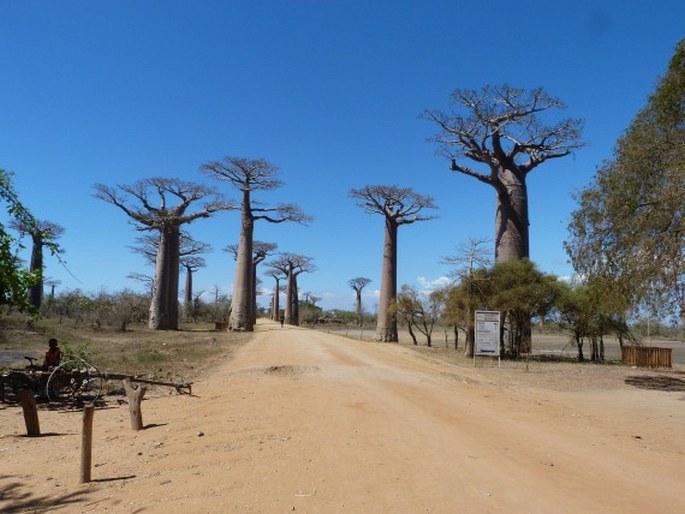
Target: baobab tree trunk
253 293
241 303
386 327
295 309
275 307
288 309
360 313
511 219
36 292
164 304
511 237
188 294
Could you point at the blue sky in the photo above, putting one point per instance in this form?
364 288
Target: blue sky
330 92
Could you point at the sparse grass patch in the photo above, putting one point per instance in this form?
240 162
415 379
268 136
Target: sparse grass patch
182 355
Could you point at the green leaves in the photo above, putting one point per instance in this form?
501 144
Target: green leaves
630 223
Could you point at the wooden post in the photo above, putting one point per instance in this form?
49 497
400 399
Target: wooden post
87 443
135 397
30 412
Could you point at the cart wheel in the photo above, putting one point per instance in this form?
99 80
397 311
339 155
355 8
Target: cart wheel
77 383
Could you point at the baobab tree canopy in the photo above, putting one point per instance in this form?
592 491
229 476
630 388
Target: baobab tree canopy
499 129
399 206
170 209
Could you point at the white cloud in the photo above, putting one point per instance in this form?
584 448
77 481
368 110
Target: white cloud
428 286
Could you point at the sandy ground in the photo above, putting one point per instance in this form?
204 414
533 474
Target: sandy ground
303 421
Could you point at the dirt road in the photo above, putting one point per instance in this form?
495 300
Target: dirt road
302 421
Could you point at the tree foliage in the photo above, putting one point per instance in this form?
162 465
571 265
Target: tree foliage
15 281
630 223
418 312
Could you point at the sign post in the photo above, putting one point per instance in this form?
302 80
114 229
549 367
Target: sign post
487 335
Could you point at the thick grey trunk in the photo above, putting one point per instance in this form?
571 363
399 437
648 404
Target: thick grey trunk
511 219
360 313
386 327
241 302
36 292
295 307
188 294
275 308
164 304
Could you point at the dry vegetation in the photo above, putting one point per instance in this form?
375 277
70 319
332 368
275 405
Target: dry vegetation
176 356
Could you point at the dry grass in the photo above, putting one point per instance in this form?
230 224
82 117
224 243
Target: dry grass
175 356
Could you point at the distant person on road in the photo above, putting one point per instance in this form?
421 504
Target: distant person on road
282 320
53 356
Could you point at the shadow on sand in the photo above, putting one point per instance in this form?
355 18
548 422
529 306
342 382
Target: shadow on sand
657 383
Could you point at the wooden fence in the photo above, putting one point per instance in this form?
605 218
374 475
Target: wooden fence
646 356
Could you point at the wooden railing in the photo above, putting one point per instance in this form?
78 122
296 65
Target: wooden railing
646 356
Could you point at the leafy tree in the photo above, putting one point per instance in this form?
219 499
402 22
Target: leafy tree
471 293
520 290
358 284
468 258
165 216
418 311
15 282
248 175
630 222
399 206
499 128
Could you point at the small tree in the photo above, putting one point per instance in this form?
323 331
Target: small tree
468 258
399 206
520 290
419 311
358 284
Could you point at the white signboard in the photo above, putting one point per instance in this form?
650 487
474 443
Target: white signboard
487 333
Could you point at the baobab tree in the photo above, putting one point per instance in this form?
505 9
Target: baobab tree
357 284
399 206
260 251
166 219
191 264
275 307
499 128
248 175
292 265
42 233
189 259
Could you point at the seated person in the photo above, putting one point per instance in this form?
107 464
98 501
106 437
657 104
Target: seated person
52 356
